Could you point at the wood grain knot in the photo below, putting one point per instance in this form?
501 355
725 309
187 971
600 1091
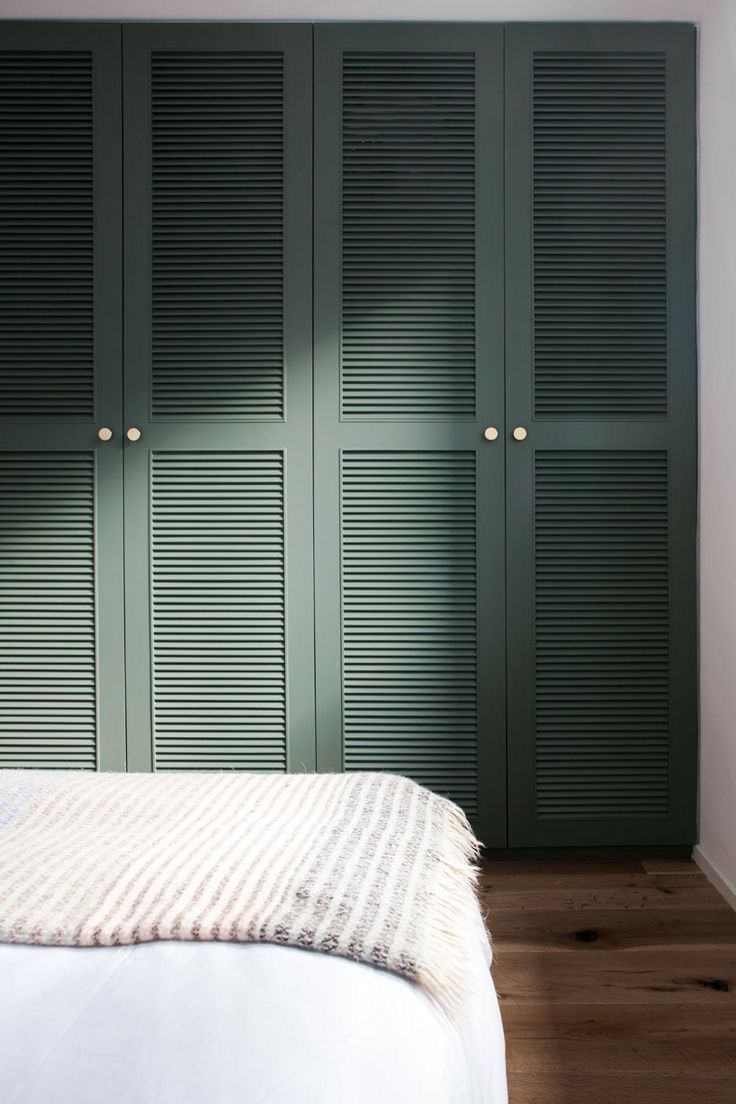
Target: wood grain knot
587 935
718 984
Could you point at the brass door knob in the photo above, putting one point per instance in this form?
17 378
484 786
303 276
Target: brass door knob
519 434
490 433
104 433
133 434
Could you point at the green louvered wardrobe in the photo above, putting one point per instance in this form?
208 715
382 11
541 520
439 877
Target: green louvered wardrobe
348 405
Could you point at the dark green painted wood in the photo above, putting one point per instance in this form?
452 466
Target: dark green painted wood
205 561
405 672
621 851
66 245
402 475
622 462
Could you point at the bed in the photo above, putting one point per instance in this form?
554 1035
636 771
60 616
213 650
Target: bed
229 1023
214 1022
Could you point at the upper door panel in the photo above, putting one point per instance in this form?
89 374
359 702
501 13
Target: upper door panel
218 120
218 173
60 190
408 263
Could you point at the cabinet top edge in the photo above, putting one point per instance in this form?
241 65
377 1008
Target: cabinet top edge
531 24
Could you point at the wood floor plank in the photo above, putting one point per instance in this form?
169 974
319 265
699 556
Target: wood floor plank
670 866
534 868
612 880
617 981
650 895
621 1088
605 929
609 977
579 1038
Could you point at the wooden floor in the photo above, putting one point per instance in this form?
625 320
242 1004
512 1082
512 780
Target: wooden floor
617 982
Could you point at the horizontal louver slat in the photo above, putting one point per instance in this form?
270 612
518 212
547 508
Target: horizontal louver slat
409 617
218 601
46 234
408 235
217 235
47 611
601 540
599 235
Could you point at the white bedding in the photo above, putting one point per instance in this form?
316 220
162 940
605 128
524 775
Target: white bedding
233 1023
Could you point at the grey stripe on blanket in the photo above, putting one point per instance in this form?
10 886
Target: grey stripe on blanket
371 867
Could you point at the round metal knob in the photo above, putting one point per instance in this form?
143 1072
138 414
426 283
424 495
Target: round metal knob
104 433
519 434
133 434
490 433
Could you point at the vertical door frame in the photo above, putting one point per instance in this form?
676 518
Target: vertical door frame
109 356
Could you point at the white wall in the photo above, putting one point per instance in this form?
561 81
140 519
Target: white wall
717 305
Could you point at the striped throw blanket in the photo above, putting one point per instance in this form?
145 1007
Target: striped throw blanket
371 867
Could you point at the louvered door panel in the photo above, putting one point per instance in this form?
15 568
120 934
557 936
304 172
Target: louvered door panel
601 491
408 235
409 632
46 234
48 700
217 224
218 374
219 642
61 556
600 234
408 373
602 632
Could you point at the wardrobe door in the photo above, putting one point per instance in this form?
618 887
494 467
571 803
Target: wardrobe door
61 625
218 401
408 375
600 239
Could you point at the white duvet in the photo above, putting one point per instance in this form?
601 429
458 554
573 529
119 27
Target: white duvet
232 1023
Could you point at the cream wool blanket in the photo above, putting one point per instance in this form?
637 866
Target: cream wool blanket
367 866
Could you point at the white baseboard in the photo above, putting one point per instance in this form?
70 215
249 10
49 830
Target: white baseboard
726 888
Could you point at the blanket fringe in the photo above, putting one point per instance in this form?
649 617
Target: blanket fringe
457 924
